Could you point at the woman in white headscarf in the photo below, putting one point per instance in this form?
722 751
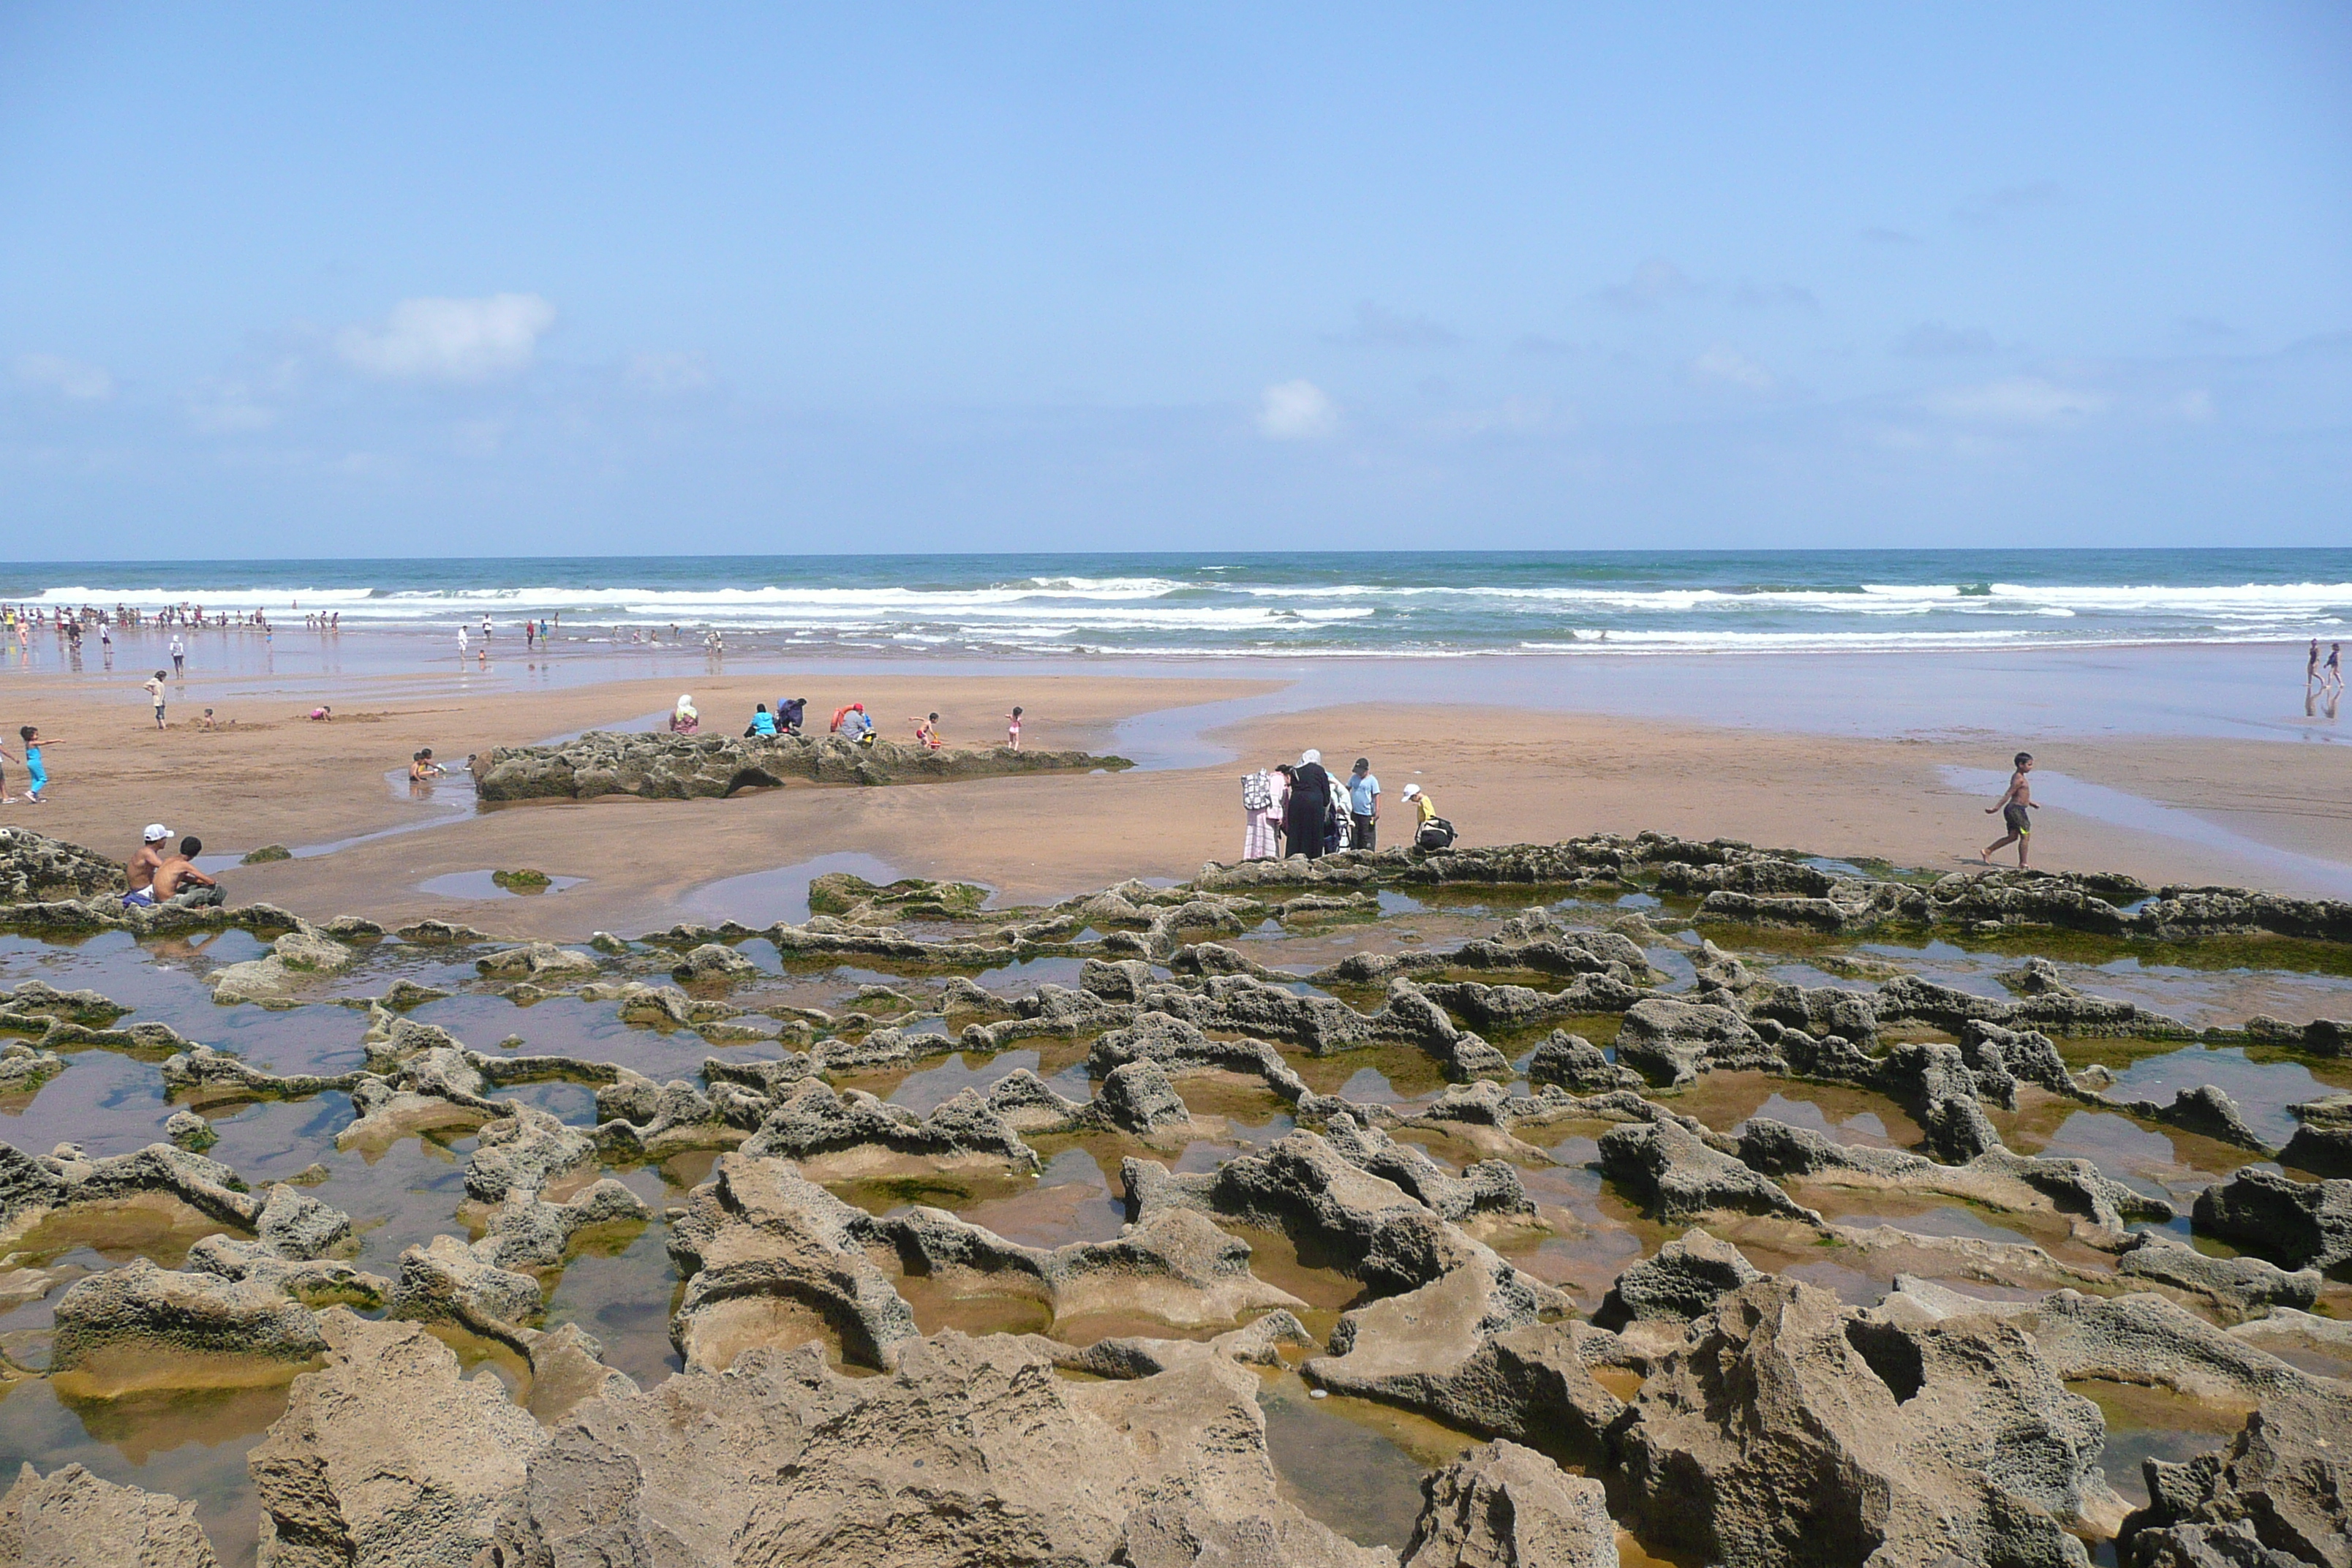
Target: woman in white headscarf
1309 807
683 718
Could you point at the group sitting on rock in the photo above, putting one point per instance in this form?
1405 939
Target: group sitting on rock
159 875
852 724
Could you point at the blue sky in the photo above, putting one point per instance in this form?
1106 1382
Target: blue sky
327 280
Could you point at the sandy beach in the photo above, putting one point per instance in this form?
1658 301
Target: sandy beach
2195 808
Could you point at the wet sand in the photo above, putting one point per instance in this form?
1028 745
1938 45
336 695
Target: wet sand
2264 812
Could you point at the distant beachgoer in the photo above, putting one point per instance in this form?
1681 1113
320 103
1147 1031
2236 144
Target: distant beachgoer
762 723
206 722
462 644
321 714
486 625
139 874
1364 805
530 635
2015 804
421 766
154 691
1258 815
179 884
1307 818
179 656
1013 729
2311 664
1286 777
683 719
1424 808
927 732
2332 670
791 714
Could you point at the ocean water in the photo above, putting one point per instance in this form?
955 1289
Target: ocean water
1395 605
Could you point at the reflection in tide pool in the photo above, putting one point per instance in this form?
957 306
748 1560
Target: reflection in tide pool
1355 1466
765 898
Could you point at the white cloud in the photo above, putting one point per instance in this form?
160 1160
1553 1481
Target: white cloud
66 377
2195 406
668 374
1725 363
2020 400
451 340
1379 327
1297 411
1934 340
1513 414
1654 283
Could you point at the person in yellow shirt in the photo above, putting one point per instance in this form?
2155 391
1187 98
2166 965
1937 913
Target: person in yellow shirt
1424 808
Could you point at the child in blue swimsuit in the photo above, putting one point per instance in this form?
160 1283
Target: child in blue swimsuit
36 776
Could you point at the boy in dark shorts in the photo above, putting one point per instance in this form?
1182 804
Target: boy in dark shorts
2016 802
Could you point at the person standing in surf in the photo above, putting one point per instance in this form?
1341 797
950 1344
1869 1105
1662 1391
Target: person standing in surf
2015 804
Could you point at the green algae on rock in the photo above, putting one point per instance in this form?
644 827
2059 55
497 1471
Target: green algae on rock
695 767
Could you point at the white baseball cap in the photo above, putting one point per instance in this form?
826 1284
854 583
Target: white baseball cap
1411 790
156 833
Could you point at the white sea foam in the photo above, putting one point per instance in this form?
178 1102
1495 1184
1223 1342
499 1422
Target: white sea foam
1219 609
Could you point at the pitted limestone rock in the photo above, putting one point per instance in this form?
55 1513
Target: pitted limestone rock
1792 1430
386 1457
70 1519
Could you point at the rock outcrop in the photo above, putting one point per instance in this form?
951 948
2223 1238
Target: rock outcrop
70 1519
658 766
386 1457
1793 1430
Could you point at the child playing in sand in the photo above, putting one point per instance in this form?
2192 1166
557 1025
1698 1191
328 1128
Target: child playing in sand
2015 803
1013 729
927 732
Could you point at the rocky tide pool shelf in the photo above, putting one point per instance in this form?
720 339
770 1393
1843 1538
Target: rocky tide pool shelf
697 767
1399 1209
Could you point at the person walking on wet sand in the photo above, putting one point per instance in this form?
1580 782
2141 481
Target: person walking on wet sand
2332 672
2015 805
154 691
2311 664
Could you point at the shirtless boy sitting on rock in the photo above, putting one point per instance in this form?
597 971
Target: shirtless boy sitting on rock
179 884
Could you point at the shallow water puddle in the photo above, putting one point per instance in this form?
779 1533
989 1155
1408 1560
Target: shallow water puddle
1354 1465
2155 1424
190 1444
485 884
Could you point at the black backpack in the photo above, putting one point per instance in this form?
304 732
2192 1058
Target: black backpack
1435 834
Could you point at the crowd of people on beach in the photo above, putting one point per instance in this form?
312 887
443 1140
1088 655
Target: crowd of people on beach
1298 808
851 722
